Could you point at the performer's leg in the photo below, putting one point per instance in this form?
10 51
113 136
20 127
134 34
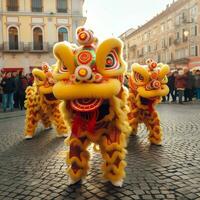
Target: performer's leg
62 127
155 131
77 158
133 120
46 121
31 121
113 151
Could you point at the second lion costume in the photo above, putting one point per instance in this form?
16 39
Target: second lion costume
147 86
41 105
89 80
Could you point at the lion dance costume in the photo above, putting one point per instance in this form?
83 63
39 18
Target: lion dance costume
89 80
147 87
42 105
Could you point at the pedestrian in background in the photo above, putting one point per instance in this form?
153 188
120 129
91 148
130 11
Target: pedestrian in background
30 79
197 84
16 94
1 88
171 85
180 83
188 93
175 73
22 85
8 86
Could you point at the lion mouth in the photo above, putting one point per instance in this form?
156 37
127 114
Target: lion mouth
50 97
86 104
147 101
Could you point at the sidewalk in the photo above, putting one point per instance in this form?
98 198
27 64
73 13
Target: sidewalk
8 114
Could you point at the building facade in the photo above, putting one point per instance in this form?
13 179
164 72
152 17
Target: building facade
171 37
30 28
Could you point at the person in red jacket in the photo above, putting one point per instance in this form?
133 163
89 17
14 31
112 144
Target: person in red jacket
180 84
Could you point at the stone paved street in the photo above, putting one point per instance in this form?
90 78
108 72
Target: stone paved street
35 169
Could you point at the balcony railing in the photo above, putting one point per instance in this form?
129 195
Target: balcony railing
36 9
177 41
140 55
12 8
62 10
21 47
10 47
1 47
38 47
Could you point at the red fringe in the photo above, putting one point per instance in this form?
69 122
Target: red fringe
79 122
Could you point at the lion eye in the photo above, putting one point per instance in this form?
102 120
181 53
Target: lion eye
112 61
138 77
63 69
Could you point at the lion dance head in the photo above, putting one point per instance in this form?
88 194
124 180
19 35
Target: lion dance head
43 80
89 79
149 82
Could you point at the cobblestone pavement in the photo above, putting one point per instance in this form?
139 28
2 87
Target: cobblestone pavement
35 169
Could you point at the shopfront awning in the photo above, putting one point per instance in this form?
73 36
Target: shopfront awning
12 69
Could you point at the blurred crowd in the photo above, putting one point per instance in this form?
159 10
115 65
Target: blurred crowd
184 85
12 89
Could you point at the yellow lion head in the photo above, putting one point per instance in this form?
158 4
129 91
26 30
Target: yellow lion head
87 74
149 82
43 80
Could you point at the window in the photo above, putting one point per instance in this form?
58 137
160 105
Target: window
194 50
177 20
13 38
194 13
184 17
168 57
12 5
169 24
138 53
194 30
162 27
145 49
62 34
37 39
170 41
163 43
36 6
149 48
62 6
155 47
158 58
177 35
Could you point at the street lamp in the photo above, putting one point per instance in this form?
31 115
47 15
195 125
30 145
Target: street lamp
186 33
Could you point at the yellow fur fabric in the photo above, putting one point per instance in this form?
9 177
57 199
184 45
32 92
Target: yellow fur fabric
39 109
117 118
143 97
93 73
140 114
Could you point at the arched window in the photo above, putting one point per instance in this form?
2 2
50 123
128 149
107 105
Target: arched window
62 34
61 6
13 38
37 39
12 5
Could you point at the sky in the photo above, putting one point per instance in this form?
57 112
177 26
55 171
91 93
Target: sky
113 17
